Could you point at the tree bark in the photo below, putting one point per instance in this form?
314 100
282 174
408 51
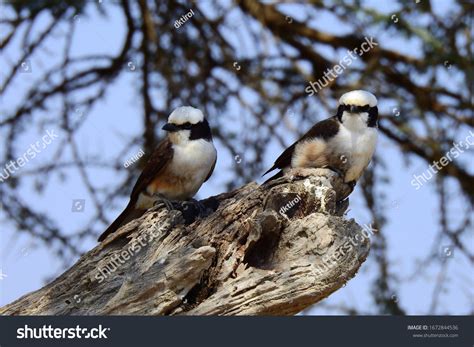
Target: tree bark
274 249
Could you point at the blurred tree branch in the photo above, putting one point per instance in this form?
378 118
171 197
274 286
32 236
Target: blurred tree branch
251 57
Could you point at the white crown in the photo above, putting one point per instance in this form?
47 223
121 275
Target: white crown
185 114
358 98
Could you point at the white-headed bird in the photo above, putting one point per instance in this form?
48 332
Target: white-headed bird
177 168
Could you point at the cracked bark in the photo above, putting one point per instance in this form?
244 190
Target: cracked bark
244 258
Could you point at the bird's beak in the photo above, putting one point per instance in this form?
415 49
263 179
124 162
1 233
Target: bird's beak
353 109
170 127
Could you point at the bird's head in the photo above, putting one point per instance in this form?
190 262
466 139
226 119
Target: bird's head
360 104
187 123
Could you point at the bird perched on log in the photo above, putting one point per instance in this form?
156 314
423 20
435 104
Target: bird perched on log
177 168
344 143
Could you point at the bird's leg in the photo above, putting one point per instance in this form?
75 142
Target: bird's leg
195 206
351 184
336 170
201 207
160 199
340 164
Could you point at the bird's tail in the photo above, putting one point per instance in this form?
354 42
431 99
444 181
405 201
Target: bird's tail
274 177
130 213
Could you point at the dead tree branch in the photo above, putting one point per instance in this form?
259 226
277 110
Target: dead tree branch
262 250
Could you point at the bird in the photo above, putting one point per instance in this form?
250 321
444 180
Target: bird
177 167
343 143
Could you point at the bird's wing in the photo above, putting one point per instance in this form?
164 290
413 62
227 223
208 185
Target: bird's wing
159 160
212 170
323 130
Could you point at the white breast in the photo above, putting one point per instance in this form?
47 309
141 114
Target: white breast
357 143
192 161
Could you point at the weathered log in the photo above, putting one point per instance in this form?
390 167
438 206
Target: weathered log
262 250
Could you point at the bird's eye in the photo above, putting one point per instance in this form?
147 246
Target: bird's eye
186 126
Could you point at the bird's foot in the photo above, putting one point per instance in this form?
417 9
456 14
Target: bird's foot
351 184
194 206
192 209
342 207
337 171
160 200
201 207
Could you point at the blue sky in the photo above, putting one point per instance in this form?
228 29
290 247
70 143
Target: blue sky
412 223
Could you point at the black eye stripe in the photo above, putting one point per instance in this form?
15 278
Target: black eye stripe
186 125
372 111
365 108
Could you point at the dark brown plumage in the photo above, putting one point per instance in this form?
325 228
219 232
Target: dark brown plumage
156 164
323 130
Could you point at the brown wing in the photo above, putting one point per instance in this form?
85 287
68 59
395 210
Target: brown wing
324 130
160 158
